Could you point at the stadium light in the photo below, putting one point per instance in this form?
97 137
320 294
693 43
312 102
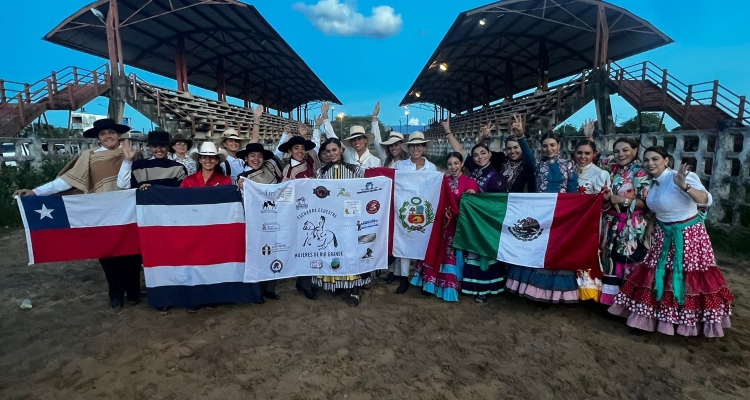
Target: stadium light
482 21
443 67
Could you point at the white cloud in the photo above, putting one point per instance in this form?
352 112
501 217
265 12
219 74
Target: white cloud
413 121
334 17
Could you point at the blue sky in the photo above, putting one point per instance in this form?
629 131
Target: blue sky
712 41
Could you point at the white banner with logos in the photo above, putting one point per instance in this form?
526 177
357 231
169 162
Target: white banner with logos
316 227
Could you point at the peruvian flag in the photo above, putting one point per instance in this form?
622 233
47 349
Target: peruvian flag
193 246
419 201
80 227
538 230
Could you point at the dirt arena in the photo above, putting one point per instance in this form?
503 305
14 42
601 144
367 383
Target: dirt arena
72 345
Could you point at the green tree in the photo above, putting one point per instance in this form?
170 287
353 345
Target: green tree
649 120
45 131
569 130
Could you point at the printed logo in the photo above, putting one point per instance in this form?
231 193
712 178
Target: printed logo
277 266
276 248
271 227
369 188
318 236
373 223
373 207
269 206
369 238
416 214
301 203
343 193
282 195
352 208
368 254
321 192
336 264
317 264
526 229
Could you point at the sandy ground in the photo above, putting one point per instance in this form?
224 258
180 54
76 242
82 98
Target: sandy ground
73 345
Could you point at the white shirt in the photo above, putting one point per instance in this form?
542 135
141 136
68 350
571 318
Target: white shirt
670 203
58 185
408 165
236 166
366 160
591 179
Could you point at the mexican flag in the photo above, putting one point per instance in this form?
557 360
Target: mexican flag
539 230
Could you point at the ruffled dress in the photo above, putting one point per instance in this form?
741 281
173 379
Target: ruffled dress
677 288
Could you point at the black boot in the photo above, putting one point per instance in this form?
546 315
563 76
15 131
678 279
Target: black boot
404 285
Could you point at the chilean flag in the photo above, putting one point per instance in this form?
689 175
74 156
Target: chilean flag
80 227
193 246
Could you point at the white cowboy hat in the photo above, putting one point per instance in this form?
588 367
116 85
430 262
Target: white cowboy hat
357 131
209 149
393 137
416 138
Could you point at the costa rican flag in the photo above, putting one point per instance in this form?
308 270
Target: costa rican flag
193 246
81 227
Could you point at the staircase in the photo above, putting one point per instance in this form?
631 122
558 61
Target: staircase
199 117
544 108
706 105
67 89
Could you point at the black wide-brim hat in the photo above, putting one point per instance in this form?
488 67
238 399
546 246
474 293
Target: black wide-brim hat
254 148
295 140
179 138
158 138
103 124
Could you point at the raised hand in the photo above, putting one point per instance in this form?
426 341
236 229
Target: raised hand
324 109
127 149
23 192
588 128
517 125
446 125
484 132
303 130
319 120
257 112
376 111
681 175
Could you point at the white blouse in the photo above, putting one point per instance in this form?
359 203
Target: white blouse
670 203
591 179
408 165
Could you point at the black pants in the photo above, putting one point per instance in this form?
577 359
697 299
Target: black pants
268 286
305 283
123 276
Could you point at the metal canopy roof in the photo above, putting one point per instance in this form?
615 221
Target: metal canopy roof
258 64
497 50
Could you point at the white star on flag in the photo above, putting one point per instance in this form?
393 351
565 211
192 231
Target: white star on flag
45 212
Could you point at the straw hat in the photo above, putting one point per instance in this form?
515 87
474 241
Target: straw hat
230 133
393 137
209 149
355 132
416 138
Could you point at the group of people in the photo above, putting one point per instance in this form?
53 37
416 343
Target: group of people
658 267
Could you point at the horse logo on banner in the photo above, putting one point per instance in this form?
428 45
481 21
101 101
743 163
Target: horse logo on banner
318 235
